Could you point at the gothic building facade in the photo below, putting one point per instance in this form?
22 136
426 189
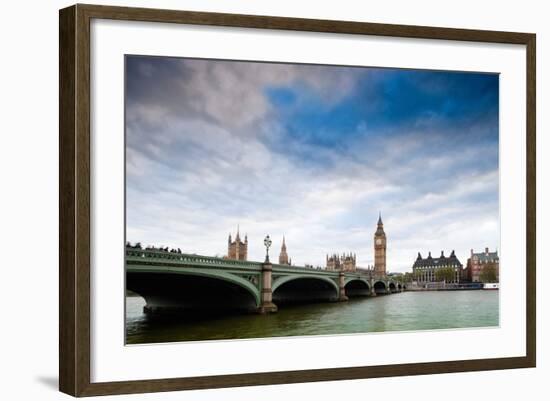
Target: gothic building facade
237 250
344 262
348 261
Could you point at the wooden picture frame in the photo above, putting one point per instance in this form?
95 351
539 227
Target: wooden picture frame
74 199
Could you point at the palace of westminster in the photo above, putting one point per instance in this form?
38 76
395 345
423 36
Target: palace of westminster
424 270
238 249
481 266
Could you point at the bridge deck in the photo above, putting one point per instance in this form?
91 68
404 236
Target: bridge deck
164 258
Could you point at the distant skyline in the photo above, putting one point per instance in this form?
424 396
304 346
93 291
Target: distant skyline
313 153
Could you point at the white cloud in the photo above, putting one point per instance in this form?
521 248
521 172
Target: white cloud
198 165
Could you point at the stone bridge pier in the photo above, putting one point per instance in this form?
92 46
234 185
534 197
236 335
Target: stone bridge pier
266 295
342 287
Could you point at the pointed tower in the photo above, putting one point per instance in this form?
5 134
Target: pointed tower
237 249
283 256
380 249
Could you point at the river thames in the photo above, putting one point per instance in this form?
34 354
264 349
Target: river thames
407 311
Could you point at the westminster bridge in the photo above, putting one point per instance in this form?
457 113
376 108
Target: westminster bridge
171 281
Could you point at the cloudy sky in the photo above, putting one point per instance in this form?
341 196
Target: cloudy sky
313 153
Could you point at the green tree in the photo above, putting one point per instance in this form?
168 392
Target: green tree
488 274
446 273
398 277
408 277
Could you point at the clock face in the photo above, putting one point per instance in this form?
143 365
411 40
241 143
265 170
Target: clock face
379 241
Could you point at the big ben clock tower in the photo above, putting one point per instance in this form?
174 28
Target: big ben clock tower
380 249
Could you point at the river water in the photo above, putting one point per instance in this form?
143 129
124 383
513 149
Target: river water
397 312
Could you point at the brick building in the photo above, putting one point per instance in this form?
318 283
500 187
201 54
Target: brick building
482 267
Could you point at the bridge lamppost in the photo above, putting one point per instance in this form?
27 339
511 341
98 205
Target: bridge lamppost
267 243
266 301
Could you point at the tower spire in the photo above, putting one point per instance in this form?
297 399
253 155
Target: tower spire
283 256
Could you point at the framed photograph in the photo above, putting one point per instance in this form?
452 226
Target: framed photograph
250 200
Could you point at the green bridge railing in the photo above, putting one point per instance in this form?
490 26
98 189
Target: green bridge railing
183 258
153 256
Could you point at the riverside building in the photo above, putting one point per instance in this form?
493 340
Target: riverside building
482 266
425 269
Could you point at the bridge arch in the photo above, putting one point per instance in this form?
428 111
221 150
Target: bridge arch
231 278
297 288
392 287
380 287
356 287
281 280
192 289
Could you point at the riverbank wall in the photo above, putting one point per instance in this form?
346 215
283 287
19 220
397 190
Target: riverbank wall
445 287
